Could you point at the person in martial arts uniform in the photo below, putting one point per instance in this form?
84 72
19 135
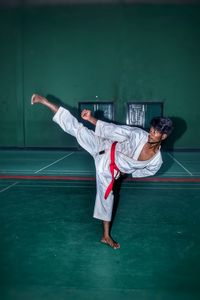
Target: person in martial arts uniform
116 149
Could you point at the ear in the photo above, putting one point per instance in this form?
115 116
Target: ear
164 136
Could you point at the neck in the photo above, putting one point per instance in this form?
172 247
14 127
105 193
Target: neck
154 145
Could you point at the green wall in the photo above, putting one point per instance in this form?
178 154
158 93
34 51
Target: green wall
121 53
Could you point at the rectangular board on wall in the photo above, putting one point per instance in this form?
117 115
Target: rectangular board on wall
140 113
100 110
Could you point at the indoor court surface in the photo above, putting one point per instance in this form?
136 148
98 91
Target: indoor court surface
50 244
128 62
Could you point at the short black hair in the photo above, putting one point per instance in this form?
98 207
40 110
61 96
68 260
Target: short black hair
162 124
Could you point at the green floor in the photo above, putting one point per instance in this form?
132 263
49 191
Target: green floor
50 244
80 163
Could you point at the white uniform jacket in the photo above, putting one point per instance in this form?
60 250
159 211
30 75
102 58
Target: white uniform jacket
130 140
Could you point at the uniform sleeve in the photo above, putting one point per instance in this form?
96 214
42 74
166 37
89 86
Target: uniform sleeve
112 132
150 170
66 121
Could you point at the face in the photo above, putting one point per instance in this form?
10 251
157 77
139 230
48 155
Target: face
156 136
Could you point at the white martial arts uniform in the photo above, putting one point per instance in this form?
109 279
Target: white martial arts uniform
130 143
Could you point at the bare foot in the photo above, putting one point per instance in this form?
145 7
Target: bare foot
110 242
37 99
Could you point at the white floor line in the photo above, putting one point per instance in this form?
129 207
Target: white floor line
8 187
180 164
53 163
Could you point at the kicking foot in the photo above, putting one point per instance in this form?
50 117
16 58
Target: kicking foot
37 99
109 241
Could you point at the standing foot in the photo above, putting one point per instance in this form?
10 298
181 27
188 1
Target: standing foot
110 242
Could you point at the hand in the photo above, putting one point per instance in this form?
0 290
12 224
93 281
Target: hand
37 99
86 114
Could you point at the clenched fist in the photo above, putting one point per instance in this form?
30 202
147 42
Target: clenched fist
86 114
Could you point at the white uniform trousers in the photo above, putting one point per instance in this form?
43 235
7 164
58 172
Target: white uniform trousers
92 144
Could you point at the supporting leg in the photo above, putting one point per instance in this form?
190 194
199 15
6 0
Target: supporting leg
106 238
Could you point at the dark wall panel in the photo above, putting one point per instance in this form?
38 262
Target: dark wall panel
120 53
11 82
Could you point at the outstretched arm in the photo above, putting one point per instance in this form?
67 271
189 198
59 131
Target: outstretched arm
42 100
86 114
107 130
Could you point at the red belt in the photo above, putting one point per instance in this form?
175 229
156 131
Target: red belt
113 167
